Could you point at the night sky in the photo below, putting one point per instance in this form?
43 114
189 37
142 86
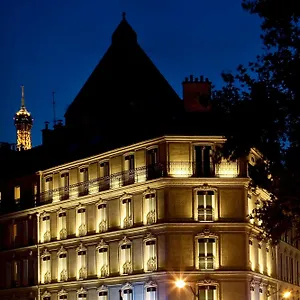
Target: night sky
55 45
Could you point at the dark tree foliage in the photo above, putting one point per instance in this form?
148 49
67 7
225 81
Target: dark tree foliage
262 102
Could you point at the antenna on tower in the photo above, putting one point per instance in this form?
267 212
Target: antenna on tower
22 98
53 103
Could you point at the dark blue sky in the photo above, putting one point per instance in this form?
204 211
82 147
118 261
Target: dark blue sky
55 45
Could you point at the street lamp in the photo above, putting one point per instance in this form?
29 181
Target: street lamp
285 295
180 283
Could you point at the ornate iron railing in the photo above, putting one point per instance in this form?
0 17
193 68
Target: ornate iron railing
179 169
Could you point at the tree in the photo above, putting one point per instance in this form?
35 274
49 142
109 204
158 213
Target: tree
262 103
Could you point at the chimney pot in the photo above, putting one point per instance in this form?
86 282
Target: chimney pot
196 79
46 125
201 78
186 79
191 78
206 79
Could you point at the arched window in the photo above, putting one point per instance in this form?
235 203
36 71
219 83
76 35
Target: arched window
149 207
150 253
45 234
46 267
125 256
81 226
81 262
62 264
126 211
150 290
62 224
101 216
102 257
103 293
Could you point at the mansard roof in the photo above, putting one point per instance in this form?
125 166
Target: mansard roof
124 83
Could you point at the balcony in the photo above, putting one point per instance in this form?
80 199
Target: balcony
180 169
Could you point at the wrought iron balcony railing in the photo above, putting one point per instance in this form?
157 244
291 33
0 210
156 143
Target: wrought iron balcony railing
178 169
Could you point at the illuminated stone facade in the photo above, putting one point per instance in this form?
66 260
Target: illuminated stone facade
134 220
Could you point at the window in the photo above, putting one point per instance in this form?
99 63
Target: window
203 166
150 256
103 293
45 228
17 194
84 181
101 217
153 171
125 257
102 259
205 203
150 291
81 221
14 236
25 272
81 262
46 267
82 294
126 212
16 273
62 295
149 207
128 176
62 264
64 183
46 296
251 255
207 292
206 250
104 183
62 224
48 194
127 292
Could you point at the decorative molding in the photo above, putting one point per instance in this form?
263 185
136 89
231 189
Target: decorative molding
206 187
81 248
150 283
62 250
82 291
207 281
125 241
61 210
206 233
46 294
149 191
45 253
127 286
62 292
101 244
102 288
126 196
44 214
149 236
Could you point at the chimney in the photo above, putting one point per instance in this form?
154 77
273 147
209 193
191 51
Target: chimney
197 94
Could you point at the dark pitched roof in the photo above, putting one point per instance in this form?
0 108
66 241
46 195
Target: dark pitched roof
124 85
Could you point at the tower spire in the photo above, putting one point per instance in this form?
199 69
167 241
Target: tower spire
22 98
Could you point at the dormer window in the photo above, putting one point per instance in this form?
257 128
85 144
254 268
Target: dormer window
129 165
64 186
84 181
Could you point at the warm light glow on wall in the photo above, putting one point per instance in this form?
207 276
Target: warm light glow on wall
251 254
227 169
260 258
180 170
269 260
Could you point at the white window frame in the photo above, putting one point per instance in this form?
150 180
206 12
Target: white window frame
81 220
124 289
102 289
101 216
206 234
62 232
62 265
125 264
45 227
80 294
149 292
81 262
206 285
102 259
46 275
17 194
126 211
206 188
150 257
149 209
